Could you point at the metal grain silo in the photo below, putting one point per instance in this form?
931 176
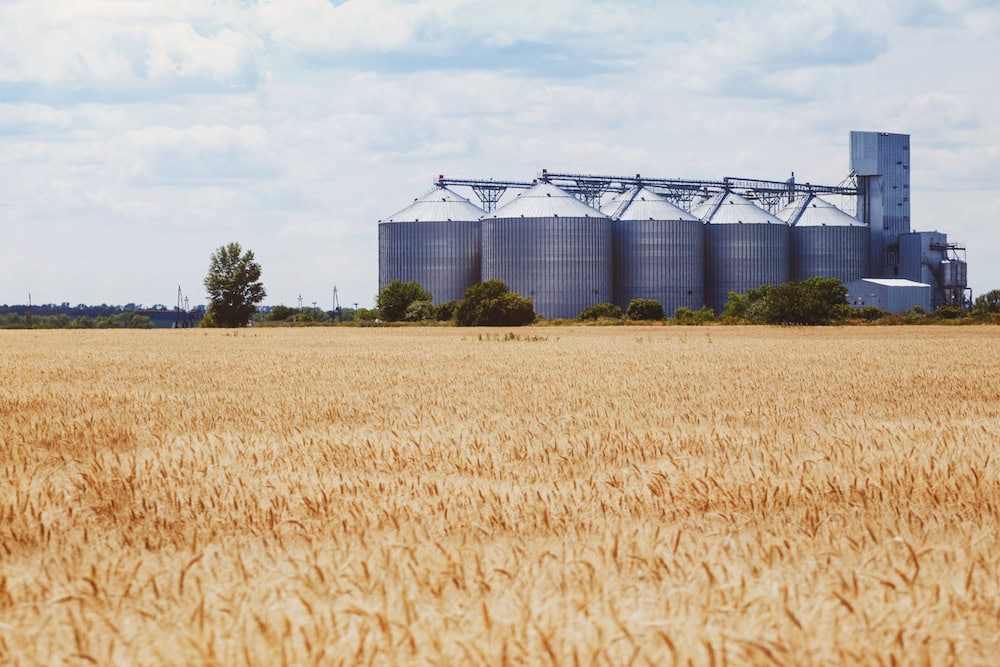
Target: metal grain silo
826 242
659 251
548 246
745 247
434 241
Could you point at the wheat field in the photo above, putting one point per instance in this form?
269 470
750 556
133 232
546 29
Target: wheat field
440 496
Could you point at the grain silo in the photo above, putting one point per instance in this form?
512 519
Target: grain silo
548 246
826 242
434 241
659 251
745 247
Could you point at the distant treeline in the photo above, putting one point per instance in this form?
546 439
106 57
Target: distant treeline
103 310
82 316
126 320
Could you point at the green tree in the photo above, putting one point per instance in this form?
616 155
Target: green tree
869 313
313 315
124 320
396 297
234 287
644 309
685 315
988 303
418 311
606 311
491 303
812 301
949 312
445 311
282 313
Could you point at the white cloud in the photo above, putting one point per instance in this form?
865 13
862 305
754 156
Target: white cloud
119 51
201 154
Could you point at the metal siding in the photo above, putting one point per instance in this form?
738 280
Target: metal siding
439 204
743 257
900 299
916 256
864 153
830 252
953 272
891 298
444 257
861 293
544 200
882 162
659 259
894 167
562 264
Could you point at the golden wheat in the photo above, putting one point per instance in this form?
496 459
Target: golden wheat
647 495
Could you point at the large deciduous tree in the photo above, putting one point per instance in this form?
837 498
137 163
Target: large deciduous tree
396 297
811 301
988 303
234 286
492 304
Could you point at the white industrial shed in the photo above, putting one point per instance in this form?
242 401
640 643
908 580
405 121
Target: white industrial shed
894 295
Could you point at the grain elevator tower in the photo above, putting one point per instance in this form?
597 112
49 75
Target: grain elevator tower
881 163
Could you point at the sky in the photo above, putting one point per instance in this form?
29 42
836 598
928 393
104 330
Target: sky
137 136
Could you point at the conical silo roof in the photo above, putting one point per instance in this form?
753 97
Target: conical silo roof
640 203
545 201
729 208
439 204
811 211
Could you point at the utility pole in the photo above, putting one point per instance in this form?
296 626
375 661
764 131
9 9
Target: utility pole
29 310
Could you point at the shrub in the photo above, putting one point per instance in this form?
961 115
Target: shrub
491 303
606 311
869 314
950 312
685 315
644 309
396 297
811 301
282 313
445 311
419 311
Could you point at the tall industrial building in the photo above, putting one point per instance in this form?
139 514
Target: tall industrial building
683 242
880 162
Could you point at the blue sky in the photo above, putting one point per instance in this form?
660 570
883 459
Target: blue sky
138 136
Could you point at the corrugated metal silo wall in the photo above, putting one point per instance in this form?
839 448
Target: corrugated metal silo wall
562 264
830 252
662 260
742 257
444 257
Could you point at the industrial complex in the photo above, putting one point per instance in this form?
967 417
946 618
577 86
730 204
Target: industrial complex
569 241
